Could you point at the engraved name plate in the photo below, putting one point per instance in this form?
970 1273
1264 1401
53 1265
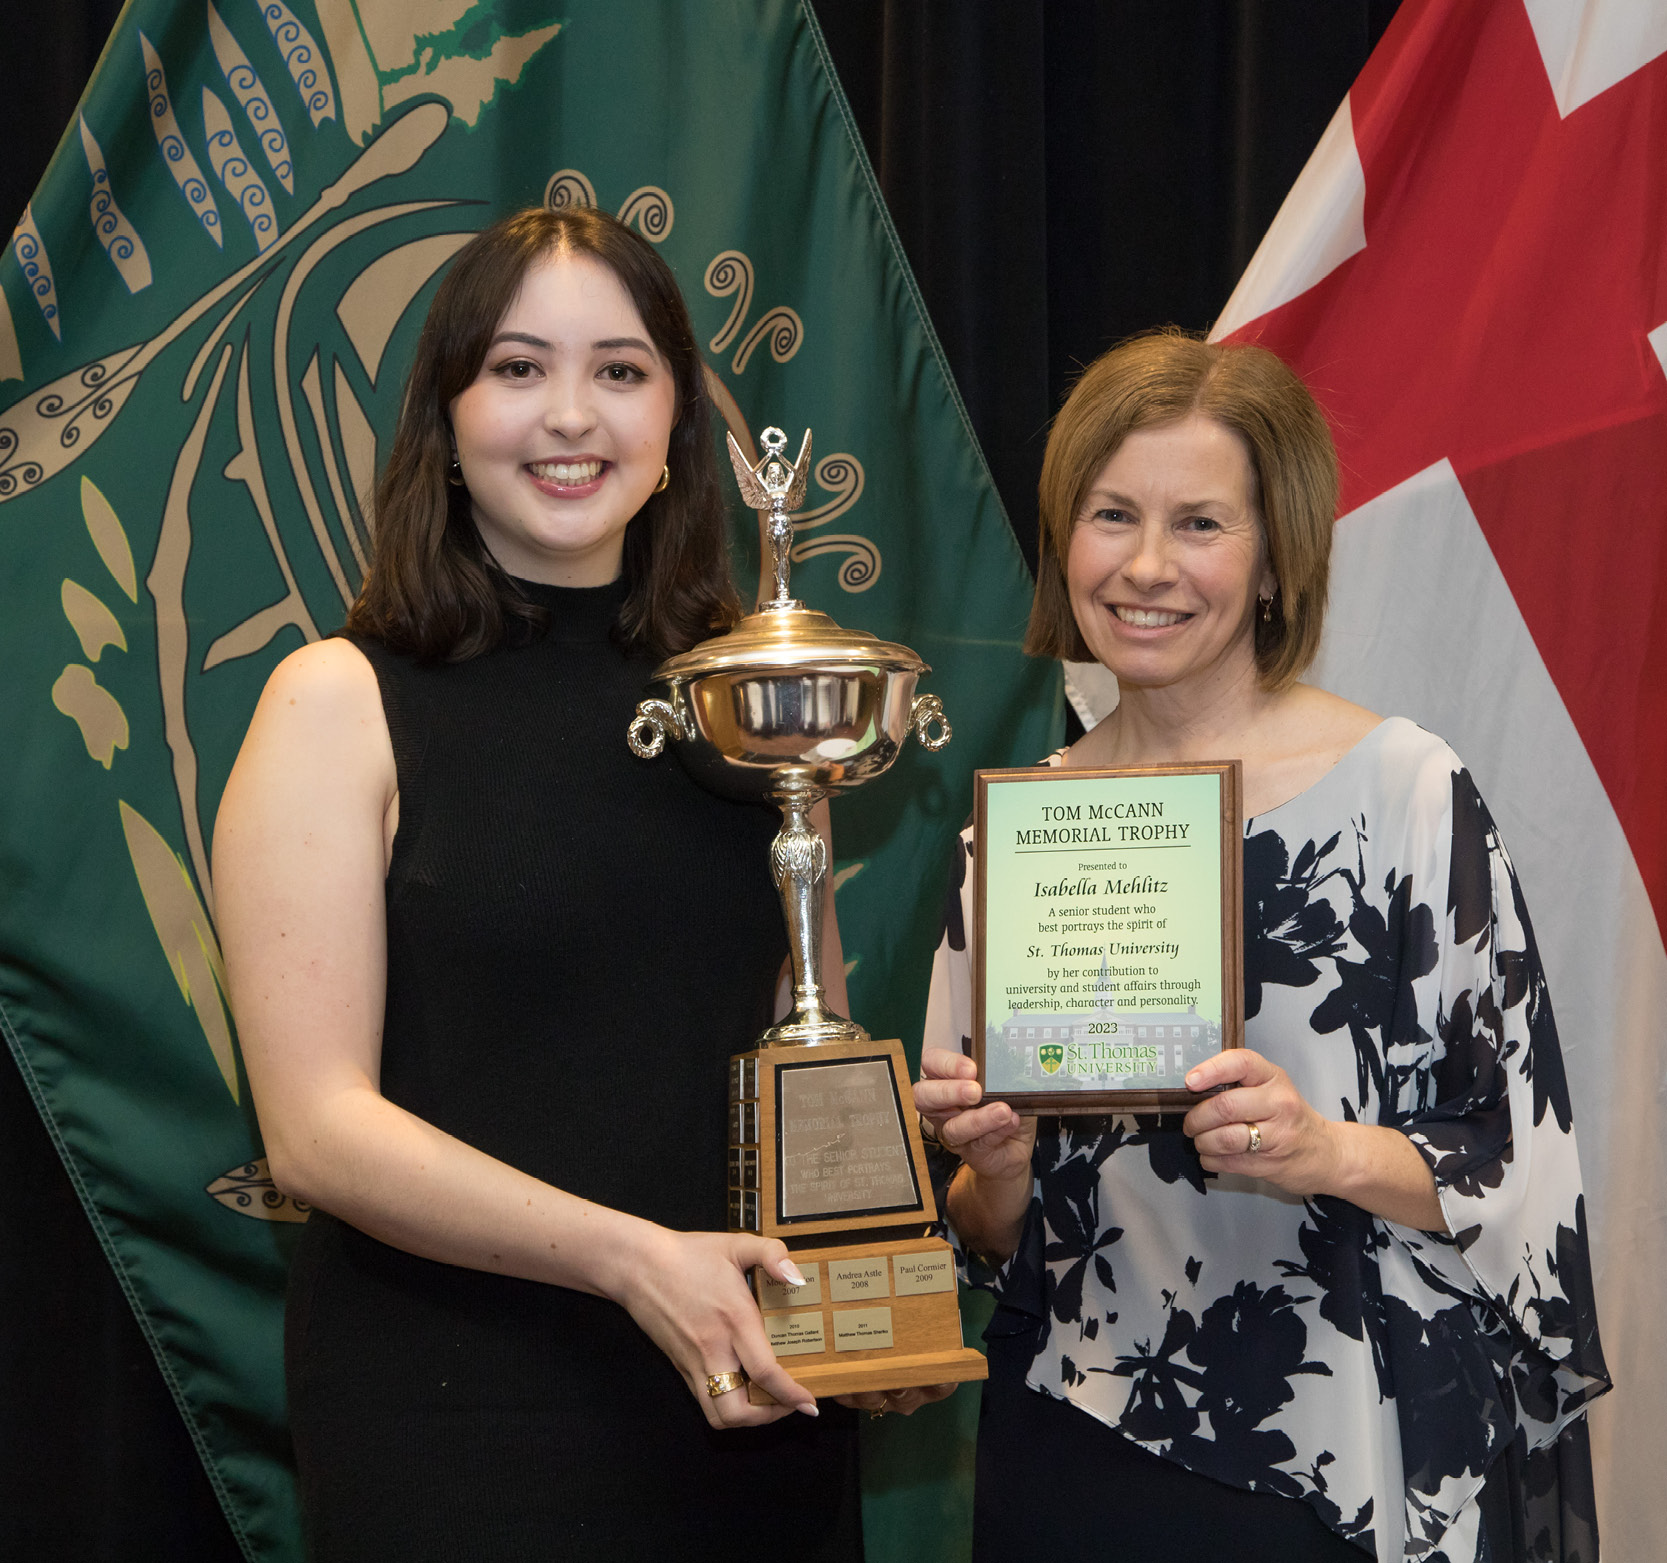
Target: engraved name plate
743 1167
842 1144
743 1079
861 1329
920 1273
773 1294
851 1280
799 1334
1108 937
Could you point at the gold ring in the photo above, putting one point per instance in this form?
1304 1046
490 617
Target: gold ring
1255 1146
724 1383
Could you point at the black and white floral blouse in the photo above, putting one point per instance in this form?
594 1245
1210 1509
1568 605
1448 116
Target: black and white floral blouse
1304 1347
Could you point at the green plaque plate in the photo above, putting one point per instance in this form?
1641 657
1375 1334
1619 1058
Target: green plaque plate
1108 944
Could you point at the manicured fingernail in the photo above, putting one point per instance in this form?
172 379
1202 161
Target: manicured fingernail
812 1409
791 1273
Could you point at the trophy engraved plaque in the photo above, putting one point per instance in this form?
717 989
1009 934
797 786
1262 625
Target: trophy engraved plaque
843 1145
824 1143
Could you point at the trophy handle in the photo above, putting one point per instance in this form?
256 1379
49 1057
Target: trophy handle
927 711
654 720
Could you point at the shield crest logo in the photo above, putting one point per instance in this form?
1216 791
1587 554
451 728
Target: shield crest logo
1050 1055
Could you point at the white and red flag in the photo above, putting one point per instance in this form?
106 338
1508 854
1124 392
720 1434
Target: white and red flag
1471 274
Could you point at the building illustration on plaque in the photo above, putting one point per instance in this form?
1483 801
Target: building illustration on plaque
1105 1047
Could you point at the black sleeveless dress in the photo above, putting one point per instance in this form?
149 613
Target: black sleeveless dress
577 941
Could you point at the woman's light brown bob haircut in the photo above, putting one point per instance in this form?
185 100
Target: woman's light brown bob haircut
1166 376
434 590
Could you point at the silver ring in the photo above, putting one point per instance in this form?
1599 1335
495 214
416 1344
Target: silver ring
1255 1146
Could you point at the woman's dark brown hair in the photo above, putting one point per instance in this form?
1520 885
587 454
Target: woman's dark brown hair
1161 378
433 589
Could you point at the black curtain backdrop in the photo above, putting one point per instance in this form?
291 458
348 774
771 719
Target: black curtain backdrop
1062 173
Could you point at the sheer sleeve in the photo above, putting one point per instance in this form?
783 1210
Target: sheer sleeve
1485 1100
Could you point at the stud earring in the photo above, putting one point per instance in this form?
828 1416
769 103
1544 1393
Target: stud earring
665 480
454 473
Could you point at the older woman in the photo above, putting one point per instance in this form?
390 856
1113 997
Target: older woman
1343 1306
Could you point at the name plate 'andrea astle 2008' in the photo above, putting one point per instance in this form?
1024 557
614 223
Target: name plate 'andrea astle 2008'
1108 946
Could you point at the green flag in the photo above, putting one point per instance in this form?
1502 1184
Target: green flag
205 318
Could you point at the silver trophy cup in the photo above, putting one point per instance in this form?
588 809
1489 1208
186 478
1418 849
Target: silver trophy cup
789 706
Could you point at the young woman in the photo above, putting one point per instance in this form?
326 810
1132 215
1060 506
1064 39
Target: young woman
488 968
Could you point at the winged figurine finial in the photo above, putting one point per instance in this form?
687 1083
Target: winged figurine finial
776 485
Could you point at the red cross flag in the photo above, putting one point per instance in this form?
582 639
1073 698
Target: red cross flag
1471 274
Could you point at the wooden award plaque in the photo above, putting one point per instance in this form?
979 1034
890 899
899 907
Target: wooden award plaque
1108 938
825 1145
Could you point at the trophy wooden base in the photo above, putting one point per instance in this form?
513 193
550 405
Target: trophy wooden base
872 1316
825 1148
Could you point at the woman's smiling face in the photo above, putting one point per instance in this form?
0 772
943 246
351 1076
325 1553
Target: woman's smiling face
1167 557
562 435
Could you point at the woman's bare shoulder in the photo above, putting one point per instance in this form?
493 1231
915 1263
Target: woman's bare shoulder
321 711
323 675
1305 735
1320 720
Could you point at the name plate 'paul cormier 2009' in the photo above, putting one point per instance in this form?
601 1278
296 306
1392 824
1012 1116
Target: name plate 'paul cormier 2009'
1108 940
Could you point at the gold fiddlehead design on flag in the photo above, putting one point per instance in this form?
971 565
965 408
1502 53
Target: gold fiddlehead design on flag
861 568
840 473
649 211
568 187
730 273
842 476
781 328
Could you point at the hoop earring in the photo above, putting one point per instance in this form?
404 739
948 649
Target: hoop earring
454 473
665 480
